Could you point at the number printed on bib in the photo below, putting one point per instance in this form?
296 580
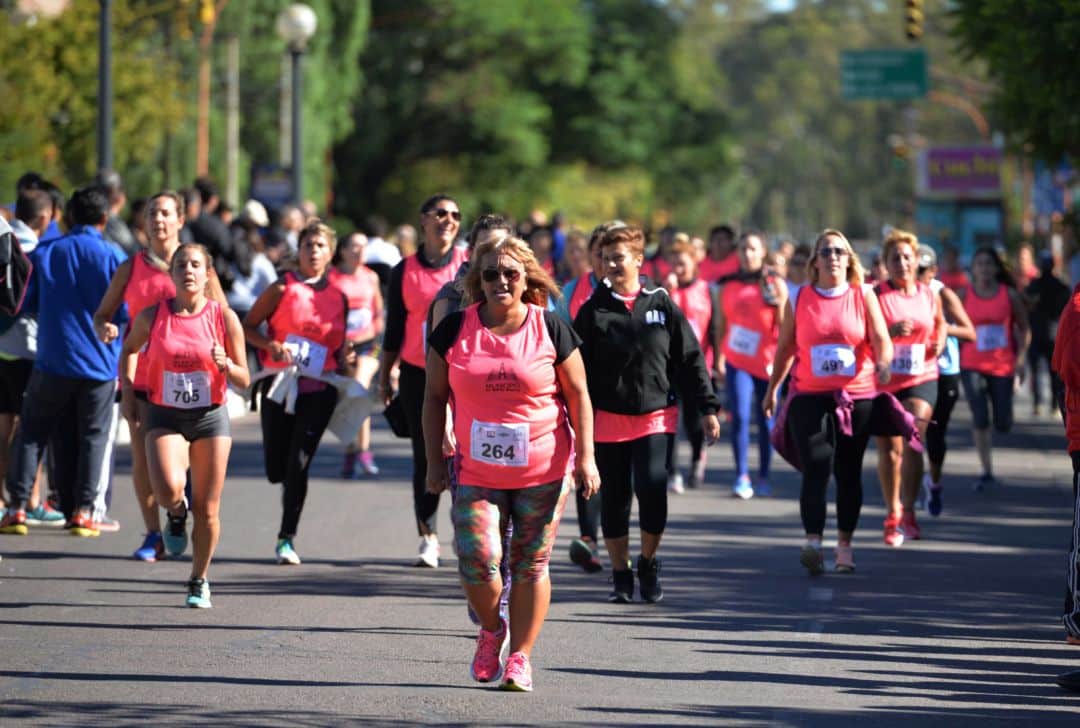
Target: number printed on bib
743 341
990 336
186 390
909 359
308 356
830 360
358 319
497 444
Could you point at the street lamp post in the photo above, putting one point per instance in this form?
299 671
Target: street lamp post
105 93
295 25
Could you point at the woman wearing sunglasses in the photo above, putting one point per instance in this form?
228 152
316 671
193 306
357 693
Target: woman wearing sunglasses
639 351
414 282
517 383
834 341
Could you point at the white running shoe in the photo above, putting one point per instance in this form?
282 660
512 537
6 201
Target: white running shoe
675 484
429 552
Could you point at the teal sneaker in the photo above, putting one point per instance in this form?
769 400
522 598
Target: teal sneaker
198 594
285 552
44 515
175 535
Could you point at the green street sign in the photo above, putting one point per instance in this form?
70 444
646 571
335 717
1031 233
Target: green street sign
885 74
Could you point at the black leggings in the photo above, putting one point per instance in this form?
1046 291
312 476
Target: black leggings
588 515
289 445
824 451
644 464
948 393
411 390
695 432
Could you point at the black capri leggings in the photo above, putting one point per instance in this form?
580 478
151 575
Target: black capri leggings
948 393
289 445
636 467
411 390
824 451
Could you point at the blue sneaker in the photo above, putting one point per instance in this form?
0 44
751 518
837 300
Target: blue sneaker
763 487
742 488
44 515
175 535
985 482
152 549
199 594
934 505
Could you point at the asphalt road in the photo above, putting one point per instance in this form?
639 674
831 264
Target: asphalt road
961 628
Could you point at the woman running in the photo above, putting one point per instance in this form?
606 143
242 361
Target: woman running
834 341
141 282
638 351
194 349
752 308
360 285
413 285
989 365
517 384
306 320
959 328
917 328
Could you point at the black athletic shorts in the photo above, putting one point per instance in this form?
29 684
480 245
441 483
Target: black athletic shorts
14 376
927 392
192 424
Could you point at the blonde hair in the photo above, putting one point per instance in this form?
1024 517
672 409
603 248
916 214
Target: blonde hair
314 226
539 286
855 273
896 238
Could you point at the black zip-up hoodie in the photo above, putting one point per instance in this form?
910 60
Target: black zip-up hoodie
636 362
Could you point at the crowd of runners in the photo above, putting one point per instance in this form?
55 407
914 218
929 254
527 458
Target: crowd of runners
530 364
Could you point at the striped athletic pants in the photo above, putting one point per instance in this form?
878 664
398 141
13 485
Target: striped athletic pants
1071 616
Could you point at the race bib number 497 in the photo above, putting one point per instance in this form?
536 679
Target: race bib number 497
830 360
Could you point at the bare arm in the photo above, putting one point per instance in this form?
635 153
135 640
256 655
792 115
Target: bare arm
1021 328
112 300
129 358
879 338
436 395
720 330
261 310
571 374
960 324
233 358
785 354
941 330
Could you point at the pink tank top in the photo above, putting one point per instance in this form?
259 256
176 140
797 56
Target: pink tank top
419 285
359 289
583 290
181 372
751 330
509 417
310 323
147 286
713 270
695 301
912 363
832 346
993 352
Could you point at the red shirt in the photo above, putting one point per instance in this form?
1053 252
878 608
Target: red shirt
911 362
180 369
1066 363
752 328
310 322
147 286
359 288
994 350
832 345
695 301
419 285
713 270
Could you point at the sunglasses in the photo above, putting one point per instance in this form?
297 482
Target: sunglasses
442 212
831 252
490 275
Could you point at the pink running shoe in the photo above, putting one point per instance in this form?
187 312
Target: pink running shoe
518 677
910 526
487 664
893 535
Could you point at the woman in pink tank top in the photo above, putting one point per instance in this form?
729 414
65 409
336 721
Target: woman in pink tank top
142 281
834 341
515 379
193 348
917 327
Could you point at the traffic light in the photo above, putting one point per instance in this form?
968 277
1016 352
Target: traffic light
913 19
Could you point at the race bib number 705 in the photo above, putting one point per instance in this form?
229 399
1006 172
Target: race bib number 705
186 390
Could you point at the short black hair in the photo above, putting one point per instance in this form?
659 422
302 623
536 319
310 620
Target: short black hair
429 203
88 206
207 189
31 204
722 230
29 181
489 221
58 199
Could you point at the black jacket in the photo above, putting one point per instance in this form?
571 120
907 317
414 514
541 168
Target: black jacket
636 362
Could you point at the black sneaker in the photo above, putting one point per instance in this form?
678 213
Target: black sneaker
175 533
582 554
622 590
648 572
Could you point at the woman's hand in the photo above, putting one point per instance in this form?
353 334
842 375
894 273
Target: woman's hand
221 357
711 425
587 477
883 373
438 476
449 442
278 352
901 328
128 408
107 332
768 402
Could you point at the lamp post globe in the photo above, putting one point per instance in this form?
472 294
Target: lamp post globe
295 25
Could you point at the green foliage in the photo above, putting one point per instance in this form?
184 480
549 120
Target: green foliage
1029 48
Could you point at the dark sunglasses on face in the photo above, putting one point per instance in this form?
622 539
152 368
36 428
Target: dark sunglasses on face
831 252
490 275
442 212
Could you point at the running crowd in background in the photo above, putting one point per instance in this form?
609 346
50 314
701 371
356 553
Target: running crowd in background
525 361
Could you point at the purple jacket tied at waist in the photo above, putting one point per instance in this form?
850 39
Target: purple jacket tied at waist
889 419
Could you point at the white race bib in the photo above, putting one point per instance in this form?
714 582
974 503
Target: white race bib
309 357
186 390
990 336
909 359
497 444
743 341
830 360
358 319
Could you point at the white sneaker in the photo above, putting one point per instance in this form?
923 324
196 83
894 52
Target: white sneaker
675 484
429 552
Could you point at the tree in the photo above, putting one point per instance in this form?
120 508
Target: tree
1029 49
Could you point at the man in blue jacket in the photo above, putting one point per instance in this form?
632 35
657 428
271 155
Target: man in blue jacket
74 375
